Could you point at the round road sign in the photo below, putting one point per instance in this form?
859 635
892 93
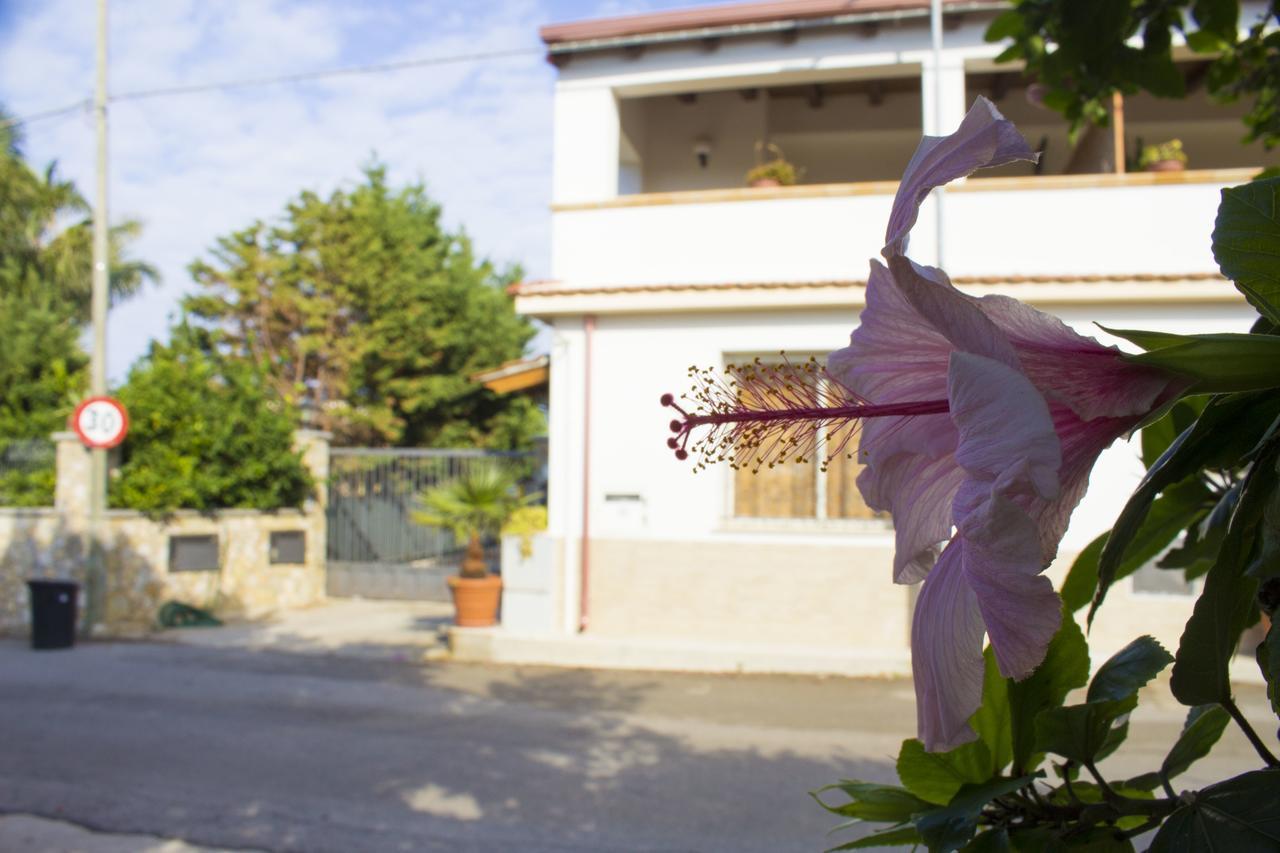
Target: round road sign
100 422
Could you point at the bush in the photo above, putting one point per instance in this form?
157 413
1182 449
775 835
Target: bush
206 434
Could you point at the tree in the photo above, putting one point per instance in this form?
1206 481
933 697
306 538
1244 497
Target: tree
42 373
206 432
46 236
1083 51
365 302
45 270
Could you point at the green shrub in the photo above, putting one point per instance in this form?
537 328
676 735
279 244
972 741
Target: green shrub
205 433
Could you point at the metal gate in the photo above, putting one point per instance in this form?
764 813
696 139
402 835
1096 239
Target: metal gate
375 549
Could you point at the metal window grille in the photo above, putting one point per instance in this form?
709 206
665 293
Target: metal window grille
288 547
193 553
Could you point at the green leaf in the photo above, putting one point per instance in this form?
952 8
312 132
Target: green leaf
936 776
1246 243
1220 363
1267 564
1005 25
1180 507
1201 668
1202 41
1093 730
1099 839
869 801
898 836
1080 732
1148 339
1228 428
1128 670
1082 579
1157 437
1240 815
1205 724
1268 655
1199 548
991 841
950 828
991 720
1219 17
1064 668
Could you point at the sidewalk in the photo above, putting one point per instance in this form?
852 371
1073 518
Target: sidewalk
378 630
27 832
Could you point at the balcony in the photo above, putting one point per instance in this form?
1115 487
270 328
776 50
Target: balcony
682 217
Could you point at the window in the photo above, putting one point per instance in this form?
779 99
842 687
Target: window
288 546
193 553
805 490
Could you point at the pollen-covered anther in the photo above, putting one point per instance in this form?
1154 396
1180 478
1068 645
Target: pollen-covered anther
761 414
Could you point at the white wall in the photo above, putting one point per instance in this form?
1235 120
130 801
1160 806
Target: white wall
1061 231
675 564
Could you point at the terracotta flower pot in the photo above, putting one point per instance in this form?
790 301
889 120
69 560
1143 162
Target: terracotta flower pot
475 600
1166 166
766 182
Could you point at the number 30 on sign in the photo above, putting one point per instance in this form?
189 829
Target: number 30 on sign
101 422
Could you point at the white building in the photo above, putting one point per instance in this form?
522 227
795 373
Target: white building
662 259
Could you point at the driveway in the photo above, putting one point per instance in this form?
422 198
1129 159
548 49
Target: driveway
306 747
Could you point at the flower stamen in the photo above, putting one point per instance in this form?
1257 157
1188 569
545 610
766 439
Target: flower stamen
761 414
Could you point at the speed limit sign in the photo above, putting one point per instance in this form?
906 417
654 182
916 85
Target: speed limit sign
100 422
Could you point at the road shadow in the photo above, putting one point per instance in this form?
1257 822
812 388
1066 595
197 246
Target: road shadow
288 751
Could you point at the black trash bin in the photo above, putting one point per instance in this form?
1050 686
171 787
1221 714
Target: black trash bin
53 613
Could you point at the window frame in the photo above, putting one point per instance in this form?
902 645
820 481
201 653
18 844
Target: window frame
820 521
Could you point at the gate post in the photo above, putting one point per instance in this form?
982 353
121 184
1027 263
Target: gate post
313 444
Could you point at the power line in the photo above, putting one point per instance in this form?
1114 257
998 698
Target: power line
82 104
141 94
303 76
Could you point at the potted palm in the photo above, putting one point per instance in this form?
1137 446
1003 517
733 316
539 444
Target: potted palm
477 503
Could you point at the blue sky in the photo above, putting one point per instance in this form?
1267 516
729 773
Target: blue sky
198 166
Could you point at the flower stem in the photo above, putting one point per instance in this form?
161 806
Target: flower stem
1261 748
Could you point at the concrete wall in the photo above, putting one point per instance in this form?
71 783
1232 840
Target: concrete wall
138 578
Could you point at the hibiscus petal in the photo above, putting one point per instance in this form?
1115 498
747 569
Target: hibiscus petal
1082 442
1006 433
951 313
918 492
1002 567
1068 366
946 654
894 356
984 139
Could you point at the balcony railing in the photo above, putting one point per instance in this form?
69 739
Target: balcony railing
1068 225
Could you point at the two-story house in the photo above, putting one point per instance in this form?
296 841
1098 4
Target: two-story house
662 259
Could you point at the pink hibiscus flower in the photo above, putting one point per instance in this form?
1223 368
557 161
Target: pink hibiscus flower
980 422
1032 405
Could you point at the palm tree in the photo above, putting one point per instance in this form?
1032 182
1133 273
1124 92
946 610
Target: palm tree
473 504
46 236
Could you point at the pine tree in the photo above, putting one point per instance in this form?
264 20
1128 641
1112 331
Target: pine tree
364 301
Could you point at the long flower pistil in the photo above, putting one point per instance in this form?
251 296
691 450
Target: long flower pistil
762 414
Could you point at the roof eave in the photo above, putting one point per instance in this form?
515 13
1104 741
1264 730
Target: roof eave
557 47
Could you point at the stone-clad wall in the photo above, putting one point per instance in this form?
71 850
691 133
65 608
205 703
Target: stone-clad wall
53 543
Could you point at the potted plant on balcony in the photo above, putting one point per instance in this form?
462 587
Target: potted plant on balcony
475 504
776 172
1164 157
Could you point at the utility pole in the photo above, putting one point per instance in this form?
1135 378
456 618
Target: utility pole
935 32
96 593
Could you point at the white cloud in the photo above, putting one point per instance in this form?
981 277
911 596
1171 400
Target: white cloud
198 166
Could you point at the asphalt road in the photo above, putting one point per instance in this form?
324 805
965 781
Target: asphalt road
235 748
232 748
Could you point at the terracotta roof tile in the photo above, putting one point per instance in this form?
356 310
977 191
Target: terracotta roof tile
719 16
555 288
